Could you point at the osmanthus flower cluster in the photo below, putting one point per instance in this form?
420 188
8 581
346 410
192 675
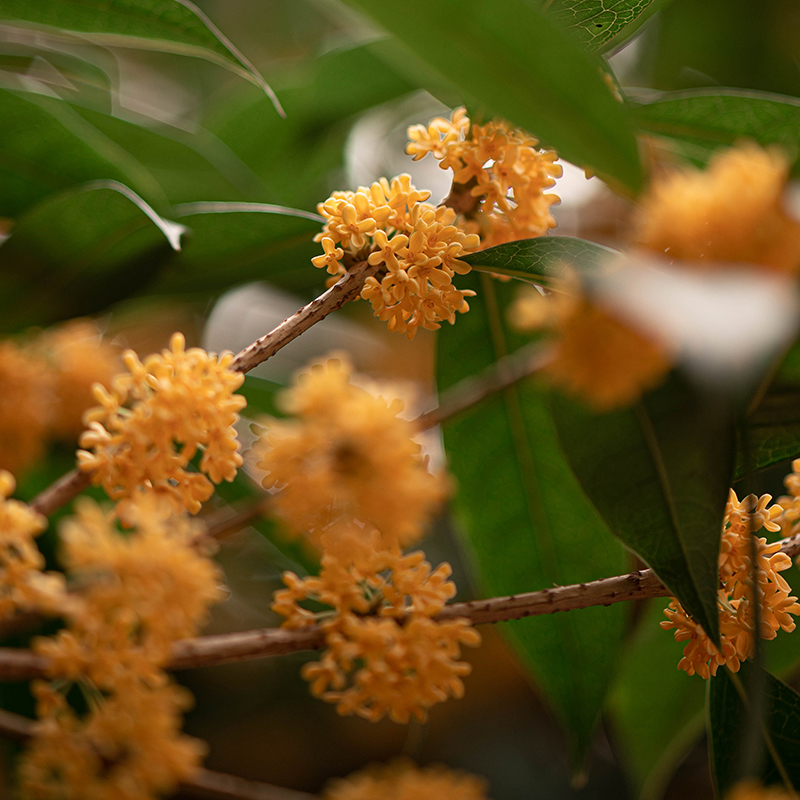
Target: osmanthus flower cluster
791 502
752 790
385 651
45 386
23 585
730 213
346 455
415 245
735 600
154 420
137 593
348 473
595 355
402 780
498 171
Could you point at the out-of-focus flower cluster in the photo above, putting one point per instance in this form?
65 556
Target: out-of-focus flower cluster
776 605
752 790
350 476
415 245
402 780
791 503
499 172
730 213
45 386
138 592
346 455
156 418
23 585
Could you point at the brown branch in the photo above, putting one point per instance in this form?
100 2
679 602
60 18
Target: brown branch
206 651
228 522
473 390
347 288
58 494
208 784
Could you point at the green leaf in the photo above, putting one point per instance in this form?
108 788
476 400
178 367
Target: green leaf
294 157
665 494
45 147
773 432
729 718
80 251
657 709
528 522
168 26
231 243
539 260
710 119
516 62
602 25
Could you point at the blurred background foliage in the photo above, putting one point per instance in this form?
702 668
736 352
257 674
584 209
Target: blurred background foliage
142 187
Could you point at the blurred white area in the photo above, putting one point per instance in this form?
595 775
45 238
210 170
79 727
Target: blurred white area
244 314
725 323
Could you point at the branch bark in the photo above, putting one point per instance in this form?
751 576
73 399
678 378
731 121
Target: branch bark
346 289
224 648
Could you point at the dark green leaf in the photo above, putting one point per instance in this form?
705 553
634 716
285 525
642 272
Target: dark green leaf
773 432
79 251
602 25
711 118
528 522
231 243
540 260
729 718
514 61
659 474
169 26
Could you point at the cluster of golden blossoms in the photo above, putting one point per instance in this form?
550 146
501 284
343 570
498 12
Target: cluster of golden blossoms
138 592
752 790
349 475
415 245
181 402
499 172
791 502
45 387
730 213
735 598
23 585
401 780
347 455
385 653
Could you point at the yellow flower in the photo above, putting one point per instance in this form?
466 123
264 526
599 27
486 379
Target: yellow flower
732 212
389 225
402 780
385 654
735 604
752 790
603 360
179 398
128 747
346 456
23 585
26 386
78 359
139 592
498 166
